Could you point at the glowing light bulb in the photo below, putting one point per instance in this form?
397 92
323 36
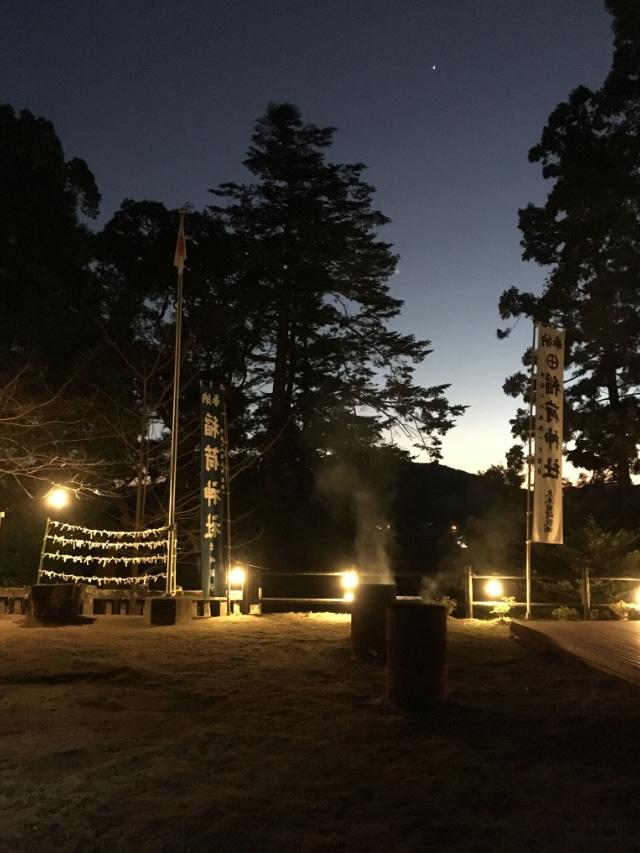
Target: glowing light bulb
349 580
57 498
494 589
237 576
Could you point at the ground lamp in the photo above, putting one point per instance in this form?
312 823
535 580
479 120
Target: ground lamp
237 579
349 581
494 589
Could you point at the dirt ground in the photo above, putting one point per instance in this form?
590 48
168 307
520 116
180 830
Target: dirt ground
260 734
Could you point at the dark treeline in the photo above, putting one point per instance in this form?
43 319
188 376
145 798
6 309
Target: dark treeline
286 304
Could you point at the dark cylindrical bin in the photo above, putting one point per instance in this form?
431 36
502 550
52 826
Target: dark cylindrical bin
416 654
369 621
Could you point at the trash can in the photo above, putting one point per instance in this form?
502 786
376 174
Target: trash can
416 655
368 621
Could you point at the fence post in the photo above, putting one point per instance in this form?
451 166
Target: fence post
586 594
469 593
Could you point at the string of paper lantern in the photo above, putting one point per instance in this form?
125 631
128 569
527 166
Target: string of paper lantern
100 581
114 534
101 561
116 546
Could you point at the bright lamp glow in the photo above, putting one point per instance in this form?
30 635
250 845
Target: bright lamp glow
57 498
494 589
636 596
237 576
348 596
349 580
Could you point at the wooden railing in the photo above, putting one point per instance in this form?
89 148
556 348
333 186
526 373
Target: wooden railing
583 600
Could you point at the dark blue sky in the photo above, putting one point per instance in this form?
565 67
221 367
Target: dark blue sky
161 97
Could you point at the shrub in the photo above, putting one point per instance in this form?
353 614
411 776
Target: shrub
565 614
450 603
620 609
503 608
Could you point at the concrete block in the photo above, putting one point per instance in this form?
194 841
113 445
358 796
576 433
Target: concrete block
168 610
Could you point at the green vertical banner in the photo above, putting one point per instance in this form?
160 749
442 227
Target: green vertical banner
212 489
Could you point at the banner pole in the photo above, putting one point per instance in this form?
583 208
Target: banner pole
527 566
173 456
227 500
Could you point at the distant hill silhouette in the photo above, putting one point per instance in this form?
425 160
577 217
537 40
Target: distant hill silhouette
432 497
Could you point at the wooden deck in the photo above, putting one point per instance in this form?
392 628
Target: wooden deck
613 647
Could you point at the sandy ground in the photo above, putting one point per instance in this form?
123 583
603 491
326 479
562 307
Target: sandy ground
260 734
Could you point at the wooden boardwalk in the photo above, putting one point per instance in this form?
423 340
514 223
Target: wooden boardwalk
613 647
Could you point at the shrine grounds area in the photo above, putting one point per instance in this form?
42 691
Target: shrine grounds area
260 734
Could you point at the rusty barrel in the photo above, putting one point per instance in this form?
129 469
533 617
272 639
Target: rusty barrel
416 655
369 621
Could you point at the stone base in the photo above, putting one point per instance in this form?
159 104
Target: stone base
57 602
167 610
208 607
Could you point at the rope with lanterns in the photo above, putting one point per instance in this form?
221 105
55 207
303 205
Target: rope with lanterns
73 543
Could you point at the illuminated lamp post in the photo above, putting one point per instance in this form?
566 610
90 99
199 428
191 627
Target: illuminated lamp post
237 580
494 589
349 580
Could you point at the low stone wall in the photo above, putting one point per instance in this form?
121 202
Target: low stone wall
12 599
98 601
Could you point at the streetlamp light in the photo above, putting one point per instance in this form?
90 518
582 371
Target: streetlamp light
57 497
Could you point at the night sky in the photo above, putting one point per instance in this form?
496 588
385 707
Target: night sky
160 98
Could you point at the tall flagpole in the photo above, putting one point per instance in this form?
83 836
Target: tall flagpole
181 254
527 568
227 505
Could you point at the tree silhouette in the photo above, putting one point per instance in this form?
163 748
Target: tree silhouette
313 273
588 234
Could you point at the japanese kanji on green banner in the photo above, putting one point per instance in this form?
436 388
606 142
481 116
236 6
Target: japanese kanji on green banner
212 489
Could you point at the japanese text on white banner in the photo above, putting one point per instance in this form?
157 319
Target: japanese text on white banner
547 492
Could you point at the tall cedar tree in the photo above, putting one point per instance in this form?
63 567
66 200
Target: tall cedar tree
588 233
312 277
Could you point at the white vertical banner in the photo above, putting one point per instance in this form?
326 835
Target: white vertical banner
547 487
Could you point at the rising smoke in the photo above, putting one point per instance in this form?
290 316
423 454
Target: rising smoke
342 489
